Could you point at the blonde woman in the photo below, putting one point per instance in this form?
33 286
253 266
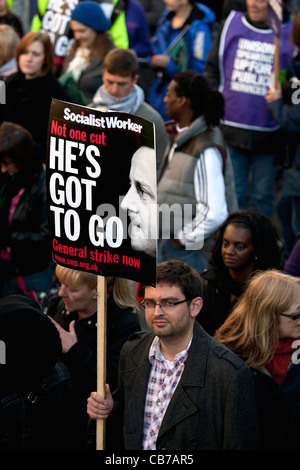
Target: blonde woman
9 41
264 330
74 311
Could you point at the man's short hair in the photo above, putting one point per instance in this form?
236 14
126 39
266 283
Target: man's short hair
178 273
123 62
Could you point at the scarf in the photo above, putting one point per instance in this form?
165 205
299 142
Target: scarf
281 360
78 63
127 104
8 68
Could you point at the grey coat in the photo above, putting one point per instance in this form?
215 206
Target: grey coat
91 79
213 406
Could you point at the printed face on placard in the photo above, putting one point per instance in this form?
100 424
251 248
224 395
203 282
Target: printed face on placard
140 201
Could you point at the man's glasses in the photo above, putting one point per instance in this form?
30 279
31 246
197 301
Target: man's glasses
292 316
165 305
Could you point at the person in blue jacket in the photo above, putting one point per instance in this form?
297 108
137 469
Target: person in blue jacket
138 28
182 41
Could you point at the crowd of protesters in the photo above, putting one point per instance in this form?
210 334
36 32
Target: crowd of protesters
206 359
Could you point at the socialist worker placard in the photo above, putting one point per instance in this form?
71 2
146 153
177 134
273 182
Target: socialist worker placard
101 184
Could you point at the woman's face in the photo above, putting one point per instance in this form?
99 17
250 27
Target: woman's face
289 328
175 5
237 248
83 34
257 10
31 61
8 166
79 299
3 8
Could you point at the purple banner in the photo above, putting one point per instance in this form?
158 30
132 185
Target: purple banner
275 16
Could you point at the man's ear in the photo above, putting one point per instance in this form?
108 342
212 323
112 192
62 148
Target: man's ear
135 80
195 306
182 100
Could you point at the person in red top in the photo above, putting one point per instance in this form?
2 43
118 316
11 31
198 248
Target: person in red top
264 330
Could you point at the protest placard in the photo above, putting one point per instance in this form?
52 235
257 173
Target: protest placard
102 204
275 16
102 192
275 22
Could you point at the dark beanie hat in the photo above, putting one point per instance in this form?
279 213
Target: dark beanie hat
91 14
31 341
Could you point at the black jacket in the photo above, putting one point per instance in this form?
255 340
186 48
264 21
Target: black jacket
278 408
35 386
81 359
28 103
217 286
37 420
28 234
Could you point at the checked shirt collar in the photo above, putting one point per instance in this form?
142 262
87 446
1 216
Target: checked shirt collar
163 381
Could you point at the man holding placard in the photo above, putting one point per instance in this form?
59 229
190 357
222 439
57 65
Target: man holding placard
178 388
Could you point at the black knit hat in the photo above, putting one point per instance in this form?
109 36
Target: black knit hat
31 343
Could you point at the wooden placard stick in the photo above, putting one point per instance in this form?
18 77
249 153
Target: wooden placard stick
101 355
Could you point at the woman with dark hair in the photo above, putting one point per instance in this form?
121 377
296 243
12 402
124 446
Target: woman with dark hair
30 90
264 330
246 242
25 242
